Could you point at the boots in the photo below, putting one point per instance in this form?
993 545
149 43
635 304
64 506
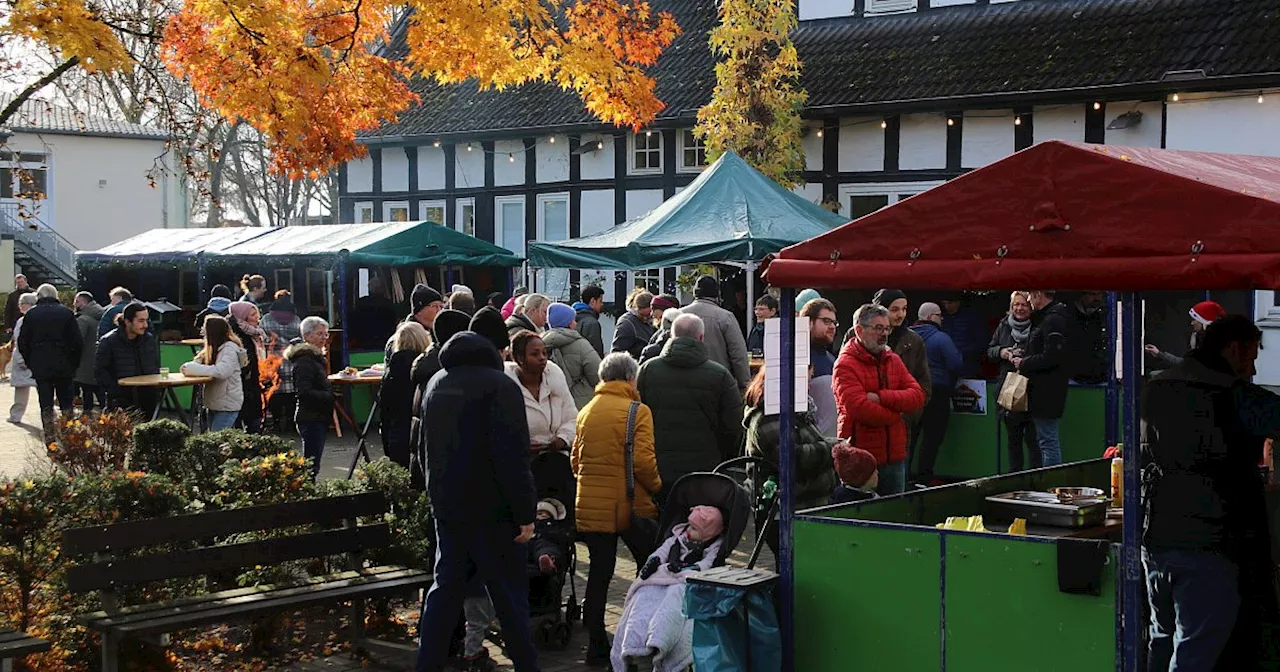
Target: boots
598 647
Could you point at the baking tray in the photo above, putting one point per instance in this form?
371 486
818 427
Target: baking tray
1044 508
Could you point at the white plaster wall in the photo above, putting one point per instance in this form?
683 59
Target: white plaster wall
811 191
822 9
598 165
395 169
987 137
430 168
861 146
1058 123
597 211
812 148
1230 125
360 175
553 160
508 163
1145 134
98 189
641 201
922 142
468 168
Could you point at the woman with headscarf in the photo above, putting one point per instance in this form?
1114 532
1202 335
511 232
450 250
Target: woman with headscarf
246 324
1009 342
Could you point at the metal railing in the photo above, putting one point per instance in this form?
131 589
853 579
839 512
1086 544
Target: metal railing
28 228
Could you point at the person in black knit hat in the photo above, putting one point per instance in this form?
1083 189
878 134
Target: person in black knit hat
489 323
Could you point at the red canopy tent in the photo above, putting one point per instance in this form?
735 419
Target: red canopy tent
1089 216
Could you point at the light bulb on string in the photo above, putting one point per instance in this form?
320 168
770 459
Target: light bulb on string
1017 121
884 124
436 143
511 157
1175 97
1097 106
951 122
819 132
648 134
468 146
1261 99
600 144
553 139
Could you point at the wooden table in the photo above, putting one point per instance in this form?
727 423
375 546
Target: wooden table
362 435
167 385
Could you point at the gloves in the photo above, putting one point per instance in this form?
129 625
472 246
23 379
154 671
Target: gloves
650 566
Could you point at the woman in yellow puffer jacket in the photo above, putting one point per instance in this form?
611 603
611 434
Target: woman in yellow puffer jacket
599 463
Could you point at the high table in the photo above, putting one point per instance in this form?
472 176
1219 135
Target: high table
362 435
197 392
167 385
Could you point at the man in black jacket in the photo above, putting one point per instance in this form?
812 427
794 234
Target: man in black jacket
1206 545
128 350
50 345
588 316
482 497
11 313
1047 366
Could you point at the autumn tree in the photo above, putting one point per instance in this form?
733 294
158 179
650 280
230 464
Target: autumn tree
755 109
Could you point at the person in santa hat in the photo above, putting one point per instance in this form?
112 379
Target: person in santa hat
1202 315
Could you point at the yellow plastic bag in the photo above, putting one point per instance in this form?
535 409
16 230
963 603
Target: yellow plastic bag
1019 527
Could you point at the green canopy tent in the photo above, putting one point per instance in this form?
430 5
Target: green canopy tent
731 214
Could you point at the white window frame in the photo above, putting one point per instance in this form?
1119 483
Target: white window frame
16 161
543 286
632 149
1265 308
890 6
388 206
424 206
645 274
682 145
499 224
896 191
366 206
459 224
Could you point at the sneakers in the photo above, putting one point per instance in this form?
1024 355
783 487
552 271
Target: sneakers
547 564
598 649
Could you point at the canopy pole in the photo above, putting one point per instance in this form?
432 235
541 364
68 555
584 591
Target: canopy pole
1112 410
340 274
1131 351
751 296
786 456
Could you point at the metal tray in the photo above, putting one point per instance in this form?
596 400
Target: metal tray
1044 508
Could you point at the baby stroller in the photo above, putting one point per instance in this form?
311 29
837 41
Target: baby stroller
553 478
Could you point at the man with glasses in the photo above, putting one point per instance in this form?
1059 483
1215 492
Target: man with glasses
873 389
822 333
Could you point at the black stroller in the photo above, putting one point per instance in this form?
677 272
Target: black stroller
553 478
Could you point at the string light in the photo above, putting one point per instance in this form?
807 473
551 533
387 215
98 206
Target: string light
436 143
819 132
1175 97
553 140
648 134
1097 106
1261 99
951 122
884 124
600 144
511 157
1017 121
468 146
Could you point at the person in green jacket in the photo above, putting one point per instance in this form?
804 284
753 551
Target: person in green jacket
572 352
697 408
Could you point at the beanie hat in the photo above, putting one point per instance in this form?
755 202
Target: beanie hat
283 304
1207 312
854 465
886 297
805 296
707 288
461 288
554 508
448 323
560 315
241 310
489 323
220 291
664 302
422 297
708 520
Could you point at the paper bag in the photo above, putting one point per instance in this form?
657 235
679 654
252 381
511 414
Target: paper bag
1013 394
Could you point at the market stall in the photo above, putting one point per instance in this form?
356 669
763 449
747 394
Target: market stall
879 583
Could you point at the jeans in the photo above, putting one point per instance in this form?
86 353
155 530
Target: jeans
1194 598
1047 437
21 396
62 388
893 478
479 614
465 551
312 434
933 429
220 420
90 393
1021 432
602 551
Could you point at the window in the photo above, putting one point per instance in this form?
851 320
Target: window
890 6
860 200
693 152
646 152
553 225
284 279
24 175
364 213
861 206
466 216
431 211
395 211
509 223
649 278
317 291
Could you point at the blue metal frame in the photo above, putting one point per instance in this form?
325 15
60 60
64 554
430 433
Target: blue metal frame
340 280
1131 347
786 468
1112 409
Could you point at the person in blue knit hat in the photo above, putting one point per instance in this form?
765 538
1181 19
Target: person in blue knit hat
572 352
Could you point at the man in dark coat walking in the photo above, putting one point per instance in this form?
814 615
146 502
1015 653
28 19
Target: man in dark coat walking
11 312
1047 366
482 497
50 345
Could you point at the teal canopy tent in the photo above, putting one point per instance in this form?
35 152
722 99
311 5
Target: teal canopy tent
163 248
731 213
386 244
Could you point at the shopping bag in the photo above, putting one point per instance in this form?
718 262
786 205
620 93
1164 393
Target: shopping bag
721 638
1013 394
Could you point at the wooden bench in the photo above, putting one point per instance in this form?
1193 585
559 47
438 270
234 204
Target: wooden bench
318 528
16 644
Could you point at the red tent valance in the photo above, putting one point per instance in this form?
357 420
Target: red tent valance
1064 216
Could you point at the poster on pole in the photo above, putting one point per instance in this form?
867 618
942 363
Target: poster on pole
970 397
773 365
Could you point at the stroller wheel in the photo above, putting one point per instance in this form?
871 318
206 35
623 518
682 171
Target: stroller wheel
560 636
573 612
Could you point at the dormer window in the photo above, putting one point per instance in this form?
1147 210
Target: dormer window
890 6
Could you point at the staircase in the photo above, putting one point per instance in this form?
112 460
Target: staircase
41 253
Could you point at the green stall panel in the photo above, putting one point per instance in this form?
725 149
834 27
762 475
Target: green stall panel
174 356
1004 610
866 598
362 395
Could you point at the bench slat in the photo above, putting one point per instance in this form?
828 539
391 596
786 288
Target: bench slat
160 566
197 526
270 603
15 644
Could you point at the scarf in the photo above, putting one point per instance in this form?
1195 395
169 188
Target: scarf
1020 329
255 334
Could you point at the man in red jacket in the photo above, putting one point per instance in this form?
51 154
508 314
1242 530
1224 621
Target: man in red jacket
873 389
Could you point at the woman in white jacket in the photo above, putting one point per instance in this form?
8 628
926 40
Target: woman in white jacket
548 403
20 376
221 359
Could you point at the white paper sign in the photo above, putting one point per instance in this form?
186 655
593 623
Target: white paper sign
970 397
773 358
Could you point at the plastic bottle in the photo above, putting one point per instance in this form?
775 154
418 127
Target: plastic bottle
1117 482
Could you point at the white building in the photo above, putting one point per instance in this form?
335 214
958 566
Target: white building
71 182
